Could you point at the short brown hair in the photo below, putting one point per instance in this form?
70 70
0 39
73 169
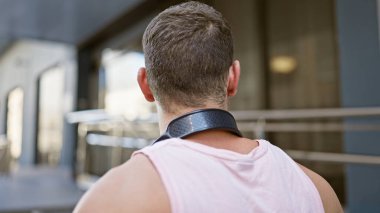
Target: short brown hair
188 51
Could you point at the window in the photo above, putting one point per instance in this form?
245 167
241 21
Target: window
50 116
14 121
123 95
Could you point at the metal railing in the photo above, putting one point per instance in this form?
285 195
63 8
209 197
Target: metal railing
263 121
293 114
107 140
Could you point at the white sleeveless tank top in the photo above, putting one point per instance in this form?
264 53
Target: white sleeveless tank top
199 178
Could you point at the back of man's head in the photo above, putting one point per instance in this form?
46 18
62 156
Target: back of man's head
188 51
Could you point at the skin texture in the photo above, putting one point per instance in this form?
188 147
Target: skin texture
136 187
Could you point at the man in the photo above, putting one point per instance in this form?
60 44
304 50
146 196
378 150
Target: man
189 66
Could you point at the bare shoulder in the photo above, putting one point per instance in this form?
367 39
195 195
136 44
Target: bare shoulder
134 186
329 199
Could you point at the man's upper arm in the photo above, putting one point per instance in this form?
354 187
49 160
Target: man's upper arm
132 187
329 199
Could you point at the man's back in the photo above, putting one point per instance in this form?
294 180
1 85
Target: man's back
199 178
140 186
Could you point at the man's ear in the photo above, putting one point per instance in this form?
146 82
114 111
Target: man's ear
233 78
144 86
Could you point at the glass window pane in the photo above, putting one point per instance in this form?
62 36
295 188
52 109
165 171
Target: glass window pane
50 116
123 95
14 121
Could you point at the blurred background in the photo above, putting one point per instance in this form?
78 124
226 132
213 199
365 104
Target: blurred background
70 107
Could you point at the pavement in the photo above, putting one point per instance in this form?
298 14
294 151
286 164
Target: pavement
38 189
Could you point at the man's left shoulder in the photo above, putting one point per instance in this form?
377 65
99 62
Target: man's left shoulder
134 186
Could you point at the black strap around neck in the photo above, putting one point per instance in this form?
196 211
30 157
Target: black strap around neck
199 121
